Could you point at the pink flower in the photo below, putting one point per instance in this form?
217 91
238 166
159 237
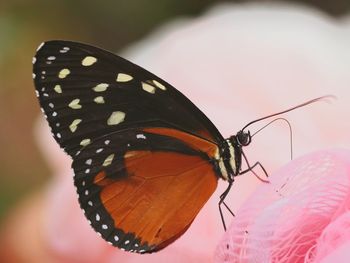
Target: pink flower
301 216
236 63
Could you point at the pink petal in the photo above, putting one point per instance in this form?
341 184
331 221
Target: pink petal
285 221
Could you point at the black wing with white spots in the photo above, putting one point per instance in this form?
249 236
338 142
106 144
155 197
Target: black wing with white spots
87 92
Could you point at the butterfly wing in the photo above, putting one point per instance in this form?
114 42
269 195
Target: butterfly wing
142 152
141 189
87 92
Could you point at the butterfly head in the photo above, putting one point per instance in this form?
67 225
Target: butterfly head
243 138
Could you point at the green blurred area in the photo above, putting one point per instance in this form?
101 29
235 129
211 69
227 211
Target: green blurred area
109 24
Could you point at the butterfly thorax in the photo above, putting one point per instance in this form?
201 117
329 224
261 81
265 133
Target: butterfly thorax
229 158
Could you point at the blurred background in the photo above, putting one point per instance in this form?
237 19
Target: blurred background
109 24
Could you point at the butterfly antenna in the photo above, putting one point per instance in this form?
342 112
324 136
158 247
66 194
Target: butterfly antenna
323 98
290 133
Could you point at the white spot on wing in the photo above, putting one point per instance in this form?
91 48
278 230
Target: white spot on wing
74 104
98 217
159 85
140 136
116 118
99 150
122 77
149 88
99 100
63 73
108 160
33 75
51 58
64 50
88 162
88 61
33 60
85 142
58 88
116 238
74 125
104 226
100 87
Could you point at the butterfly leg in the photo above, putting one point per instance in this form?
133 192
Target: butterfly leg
251 169
222 202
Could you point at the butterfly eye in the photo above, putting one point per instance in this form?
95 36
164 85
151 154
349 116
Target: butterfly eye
244 138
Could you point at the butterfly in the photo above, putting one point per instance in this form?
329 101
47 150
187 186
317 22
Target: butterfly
145 158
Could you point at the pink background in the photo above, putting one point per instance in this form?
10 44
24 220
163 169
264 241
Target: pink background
236 63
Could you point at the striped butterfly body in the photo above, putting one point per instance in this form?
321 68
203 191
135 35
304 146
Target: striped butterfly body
145 158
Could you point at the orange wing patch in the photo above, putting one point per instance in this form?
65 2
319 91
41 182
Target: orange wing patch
161 196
